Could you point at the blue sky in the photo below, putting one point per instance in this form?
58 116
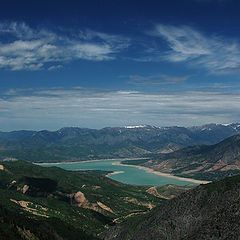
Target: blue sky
114 63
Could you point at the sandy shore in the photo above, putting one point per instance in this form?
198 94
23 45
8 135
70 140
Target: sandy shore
114 173
168 175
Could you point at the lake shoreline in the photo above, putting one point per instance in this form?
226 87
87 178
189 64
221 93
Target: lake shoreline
168 175
114 173
119 162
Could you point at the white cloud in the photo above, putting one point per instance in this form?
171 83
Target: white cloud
54 108
214 53
22 47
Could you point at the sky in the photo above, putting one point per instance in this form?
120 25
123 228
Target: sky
101 63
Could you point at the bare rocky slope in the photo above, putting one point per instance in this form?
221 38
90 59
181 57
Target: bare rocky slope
212 162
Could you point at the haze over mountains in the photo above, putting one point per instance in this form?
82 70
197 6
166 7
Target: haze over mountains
72 143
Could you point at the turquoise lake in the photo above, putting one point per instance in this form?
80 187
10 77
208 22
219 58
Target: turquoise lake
126 174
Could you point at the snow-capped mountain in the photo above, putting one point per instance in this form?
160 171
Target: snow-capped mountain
129 141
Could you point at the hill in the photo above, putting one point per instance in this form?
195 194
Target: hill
205 213
51 203
203 162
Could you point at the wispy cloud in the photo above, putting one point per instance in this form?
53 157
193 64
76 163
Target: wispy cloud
25 48
22 47
185 44
154 80
54 108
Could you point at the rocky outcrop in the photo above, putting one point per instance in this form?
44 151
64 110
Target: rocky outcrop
25 189
81 201
37 210
153 191
139 203
104 207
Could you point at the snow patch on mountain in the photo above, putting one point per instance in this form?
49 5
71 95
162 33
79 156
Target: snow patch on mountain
139 126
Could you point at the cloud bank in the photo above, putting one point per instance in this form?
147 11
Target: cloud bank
55 108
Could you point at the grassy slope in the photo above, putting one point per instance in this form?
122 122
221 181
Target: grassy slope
19 224
95 186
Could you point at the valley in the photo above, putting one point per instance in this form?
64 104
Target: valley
84 203
168 194
120 120
129 174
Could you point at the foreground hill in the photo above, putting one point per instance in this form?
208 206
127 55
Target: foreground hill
51 203
205 213
203 162
69 144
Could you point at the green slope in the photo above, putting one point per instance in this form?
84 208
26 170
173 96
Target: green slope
207 212
40 201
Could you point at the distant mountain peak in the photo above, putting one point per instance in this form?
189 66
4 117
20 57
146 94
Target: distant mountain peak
137 126
74 143
143 126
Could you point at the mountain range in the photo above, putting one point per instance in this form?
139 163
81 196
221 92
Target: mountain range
72 143
51 203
